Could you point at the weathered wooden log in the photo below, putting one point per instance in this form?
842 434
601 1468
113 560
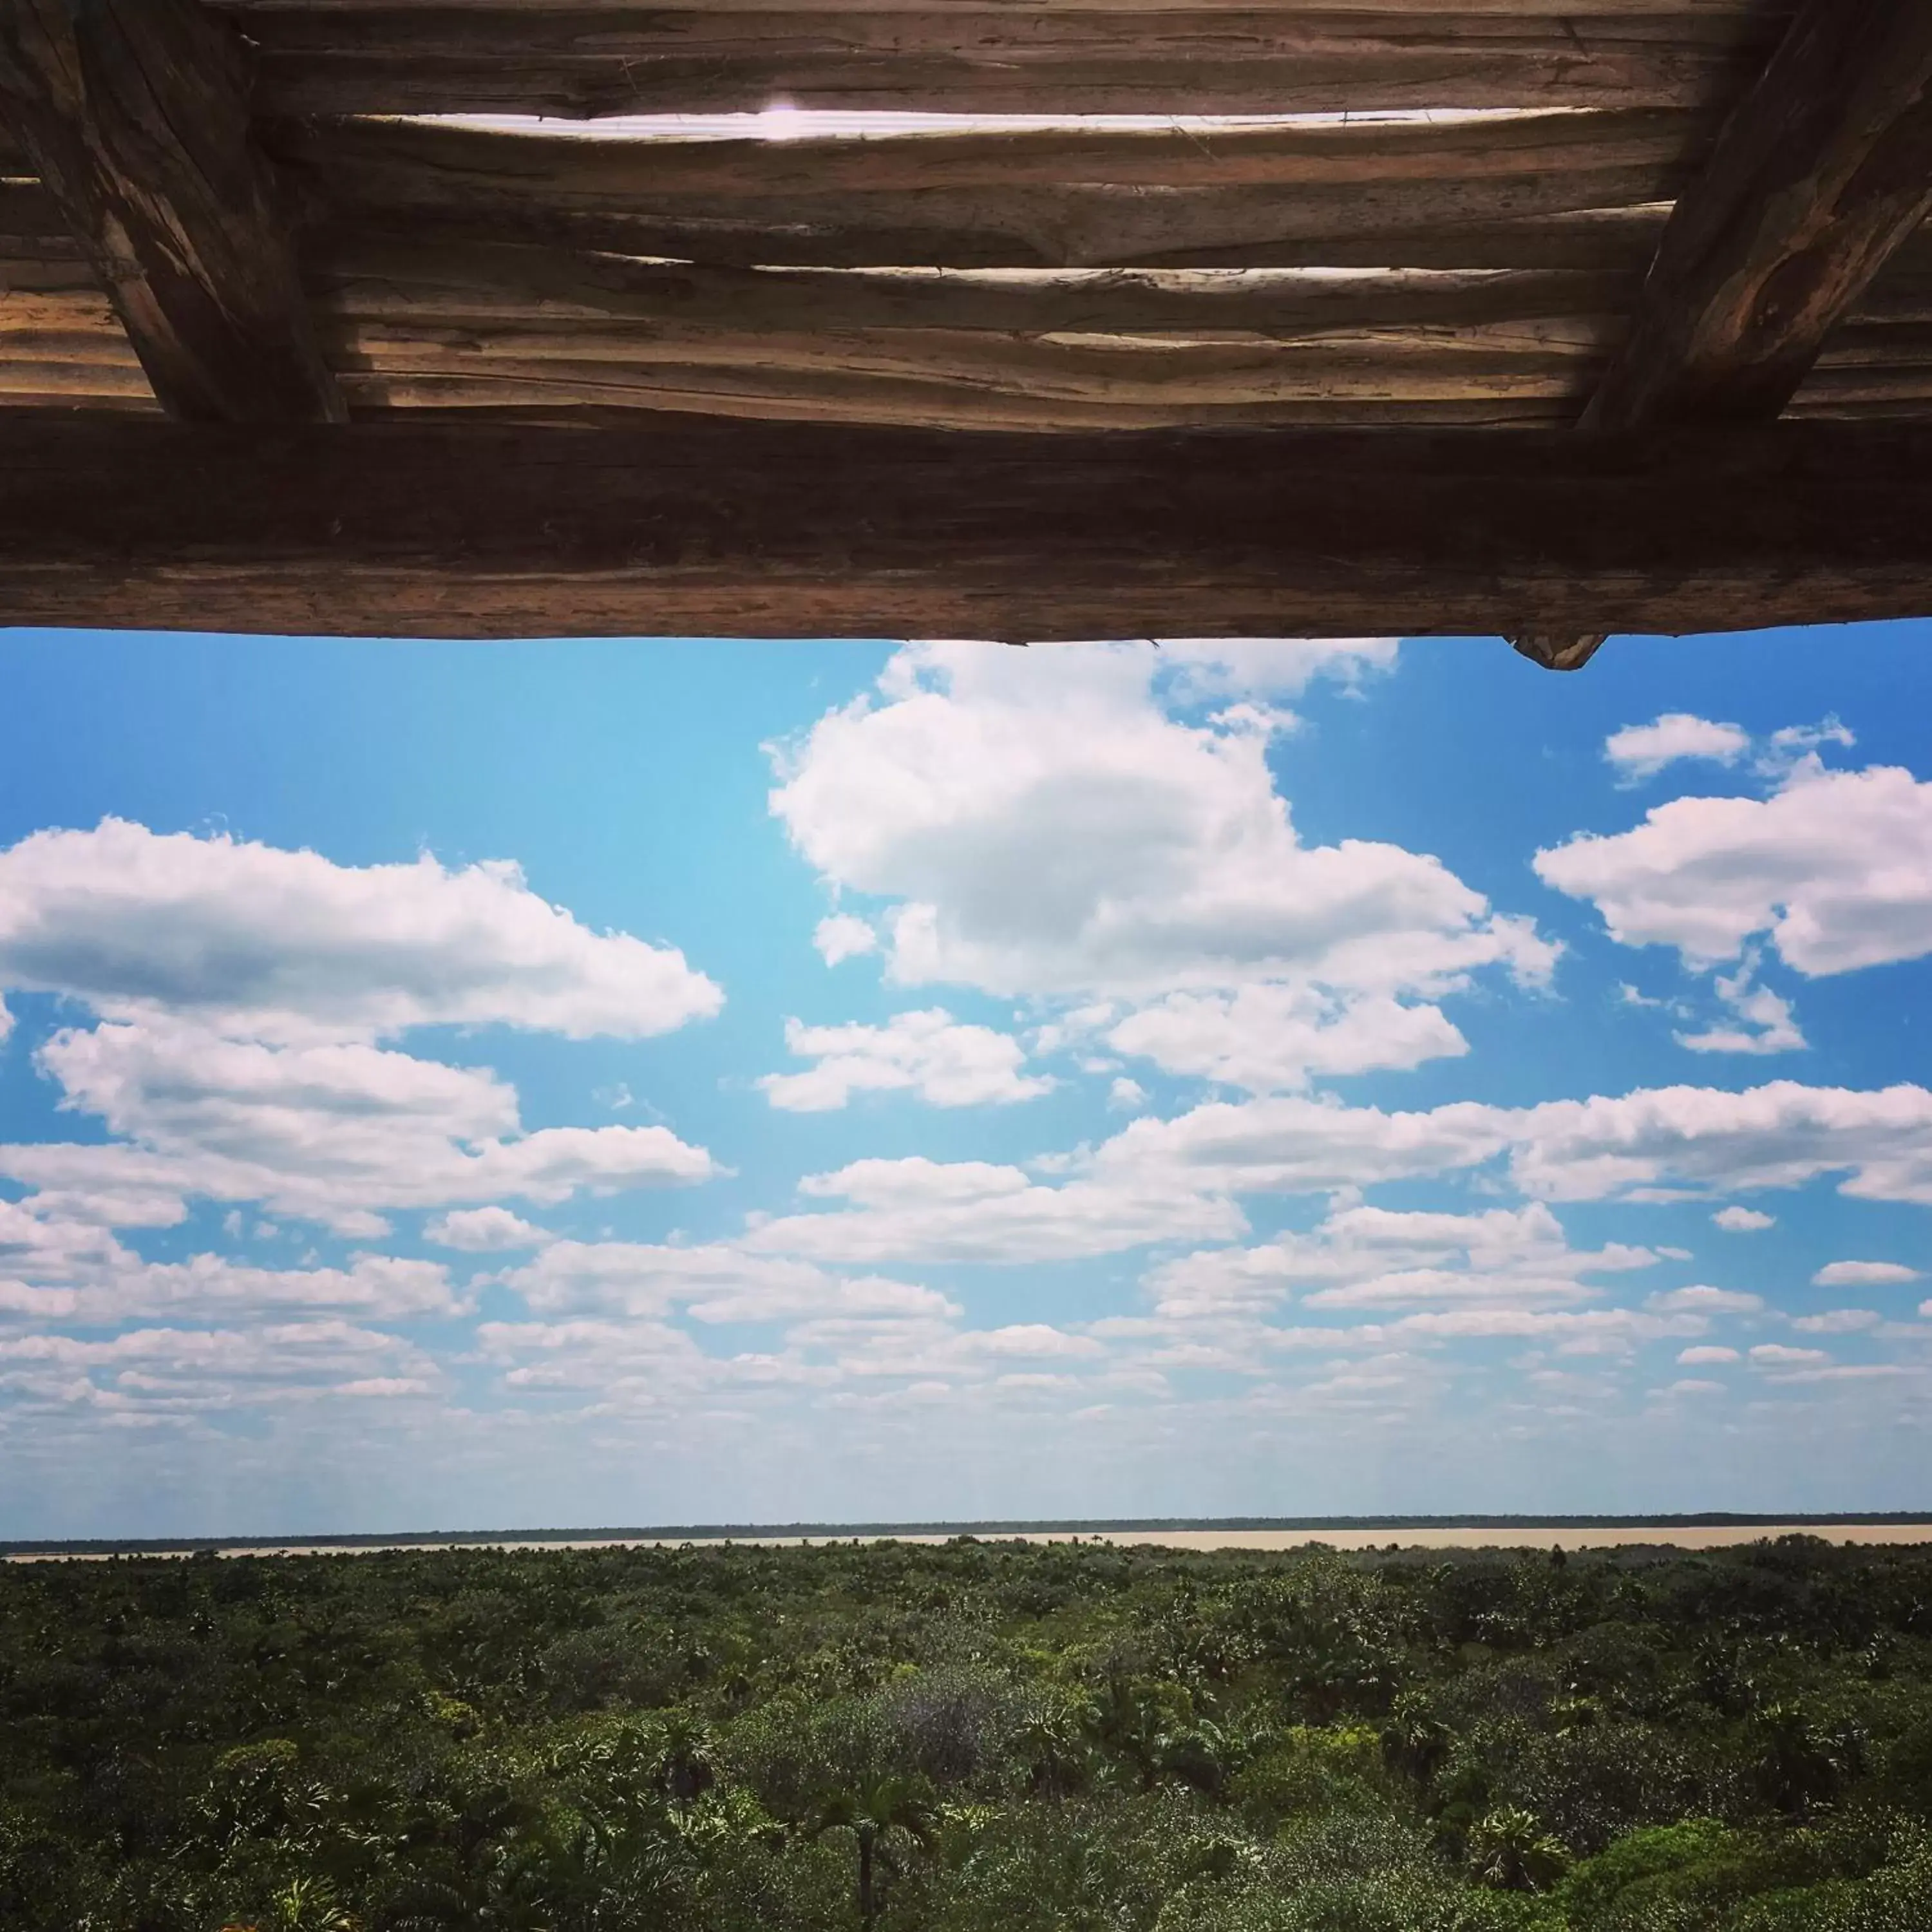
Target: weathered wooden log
134 114
1098 365
1815 181
367 279
584 395
1053 199
994 59
1818 177
397 528
254 11
1619 241
430 164
372 277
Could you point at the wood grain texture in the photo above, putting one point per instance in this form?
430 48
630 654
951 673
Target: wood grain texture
1620 241
995 60
1056 199
255 11
429 162
134 113
1816 179
368 279
400 529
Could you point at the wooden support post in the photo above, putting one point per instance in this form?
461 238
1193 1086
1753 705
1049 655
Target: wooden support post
1820 174
685 526
135 114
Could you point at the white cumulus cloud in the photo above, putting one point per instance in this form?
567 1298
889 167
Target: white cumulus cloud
1743 1220
1865 1274
1834 869
1703 1300
1046 826
264 943
945 1062
921 1209
1642 751
840 937
1366 1257
484 1230
242 994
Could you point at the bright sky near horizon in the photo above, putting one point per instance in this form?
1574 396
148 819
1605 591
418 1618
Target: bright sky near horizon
460 1085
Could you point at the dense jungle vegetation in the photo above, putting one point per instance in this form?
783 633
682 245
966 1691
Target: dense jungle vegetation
978 1737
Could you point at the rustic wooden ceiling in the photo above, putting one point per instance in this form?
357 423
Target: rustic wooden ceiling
1504 215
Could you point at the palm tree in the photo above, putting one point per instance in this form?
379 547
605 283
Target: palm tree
1511 1849
1128 1723
877 1812
687 1760
1058 1758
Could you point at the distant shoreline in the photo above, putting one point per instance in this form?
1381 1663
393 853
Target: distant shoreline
1704 1530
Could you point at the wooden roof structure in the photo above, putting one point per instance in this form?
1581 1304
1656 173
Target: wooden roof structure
1536 317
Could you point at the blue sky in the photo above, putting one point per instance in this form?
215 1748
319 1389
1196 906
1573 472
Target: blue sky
463 1085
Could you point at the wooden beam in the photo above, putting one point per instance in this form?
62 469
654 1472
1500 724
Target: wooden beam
485 283
993 59
1042 197
1821 173
1818 177
135 114
429 529
1234 229
254 11
432 165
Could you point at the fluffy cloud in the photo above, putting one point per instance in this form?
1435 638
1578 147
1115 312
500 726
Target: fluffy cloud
717 1283
1363 1257
1045 825
628 1365
1642 751
262 943
1705 1300
346 1180
1864 1274
1288 1144
1270 1037
1583 1331
148 1373
375 1287
1659 1141
1761 1021
930 1054
1742 1220
840 937
1698 1138
484 1230
242 991
920 1209
1838 1321
1708 1354
1835 867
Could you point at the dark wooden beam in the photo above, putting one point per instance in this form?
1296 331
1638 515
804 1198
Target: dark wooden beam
1820 174
434 528
135 114
1052 197
1818 177
995 58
